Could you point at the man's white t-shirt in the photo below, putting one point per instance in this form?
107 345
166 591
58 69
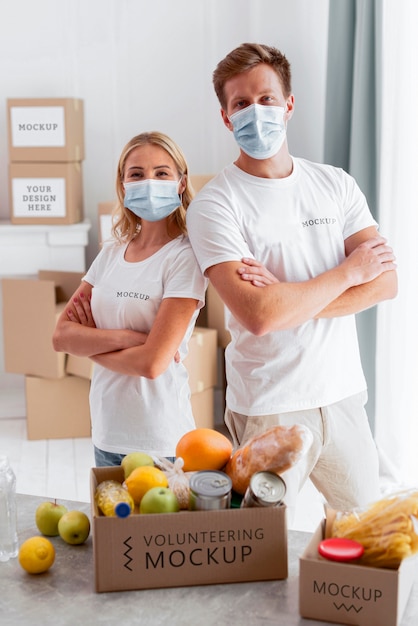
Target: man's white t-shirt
131 413
296 227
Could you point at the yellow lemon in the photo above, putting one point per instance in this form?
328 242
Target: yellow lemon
141 479
36 555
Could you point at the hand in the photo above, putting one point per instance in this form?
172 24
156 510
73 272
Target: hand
256 273
82 311
369 260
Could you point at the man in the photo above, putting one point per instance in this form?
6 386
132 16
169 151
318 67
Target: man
294 252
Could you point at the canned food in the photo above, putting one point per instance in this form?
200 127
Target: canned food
265 489
209 490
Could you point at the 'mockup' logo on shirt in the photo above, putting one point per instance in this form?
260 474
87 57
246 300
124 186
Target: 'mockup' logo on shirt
132 294
319 221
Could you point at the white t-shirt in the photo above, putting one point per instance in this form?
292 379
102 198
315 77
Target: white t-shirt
131 413
296 227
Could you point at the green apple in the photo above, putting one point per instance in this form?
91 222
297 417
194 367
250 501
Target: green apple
74 527
47 516
135 459
159 500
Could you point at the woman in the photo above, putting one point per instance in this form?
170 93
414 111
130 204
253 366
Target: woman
136 308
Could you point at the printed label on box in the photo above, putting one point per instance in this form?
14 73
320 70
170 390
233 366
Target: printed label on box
39 197
37 127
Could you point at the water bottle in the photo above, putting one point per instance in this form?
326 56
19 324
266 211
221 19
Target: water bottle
113 499
9 545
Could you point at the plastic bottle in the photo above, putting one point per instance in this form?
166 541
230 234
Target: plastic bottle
113 499
9 545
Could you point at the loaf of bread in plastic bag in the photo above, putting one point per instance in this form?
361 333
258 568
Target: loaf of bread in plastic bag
275 450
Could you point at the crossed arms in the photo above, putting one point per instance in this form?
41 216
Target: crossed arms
365 277
123 350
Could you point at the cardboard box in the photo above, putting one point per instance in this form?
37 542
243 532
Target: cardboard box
45 129
30 311
352 594
203 407
201 359
216 316
186 548
57 408
79 366
199 180
105 210
46 193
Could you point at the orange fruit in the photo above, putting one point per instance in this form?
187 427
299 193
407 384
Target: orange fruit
143 478
203 449
36 555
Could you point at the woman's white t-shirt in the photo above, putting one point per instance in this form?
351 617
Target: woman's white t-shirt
296 227
131 413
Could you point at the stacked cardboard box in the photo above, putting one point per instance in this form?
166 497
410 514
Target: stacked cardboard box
46 148
201 364
57 404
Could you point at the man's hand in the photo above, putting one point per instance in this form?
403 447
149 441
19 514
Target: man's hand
256 273
369 260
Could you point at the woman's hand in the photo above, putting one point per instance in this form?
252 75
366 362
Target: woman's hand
255 273
82 311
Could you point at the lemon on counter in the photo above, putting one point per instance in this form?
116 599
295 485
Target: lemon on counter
36 555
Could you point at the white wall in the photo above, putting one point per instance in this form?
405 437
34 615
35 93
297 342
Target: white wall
142 65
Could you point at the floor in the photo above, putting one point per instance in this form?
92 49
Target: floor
60 468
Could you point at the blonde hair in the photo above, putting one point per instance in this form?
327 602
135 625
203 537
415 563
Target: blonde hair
125 223
245 57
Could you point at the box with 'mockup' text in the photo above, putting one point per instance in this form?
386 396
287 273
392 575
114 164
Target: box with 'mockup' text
45 129
349 593
186 548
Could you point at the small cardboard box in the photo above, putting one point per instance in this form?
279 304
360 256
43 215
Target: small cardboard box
57 408
186 548
215 313
200 361
350 593
198 181
30 311
105 210
46 193
45 129
79 366
203 408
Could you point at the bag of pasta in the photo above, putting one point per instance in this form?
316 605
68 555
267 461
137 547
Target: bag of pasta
387 529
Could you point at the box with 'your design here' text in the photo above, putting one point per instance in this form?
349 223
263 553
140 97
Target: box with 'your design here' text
186 548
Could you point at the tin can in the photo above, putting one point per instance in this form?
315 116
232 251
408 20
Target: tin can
210 490
265 489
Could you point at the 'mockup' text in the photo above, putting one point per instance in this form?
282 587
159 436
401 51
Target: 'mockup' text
158 554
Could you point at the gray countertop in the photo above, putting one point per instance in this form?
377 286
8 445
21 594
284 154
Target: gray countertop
65 594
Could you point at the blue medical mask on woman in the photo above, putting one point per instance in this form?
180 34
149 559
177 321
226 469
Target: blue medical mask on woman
152 200
259 130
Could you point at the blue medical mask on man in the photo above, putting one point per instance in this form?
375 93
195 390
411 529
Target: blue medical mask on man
152 200
259 130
